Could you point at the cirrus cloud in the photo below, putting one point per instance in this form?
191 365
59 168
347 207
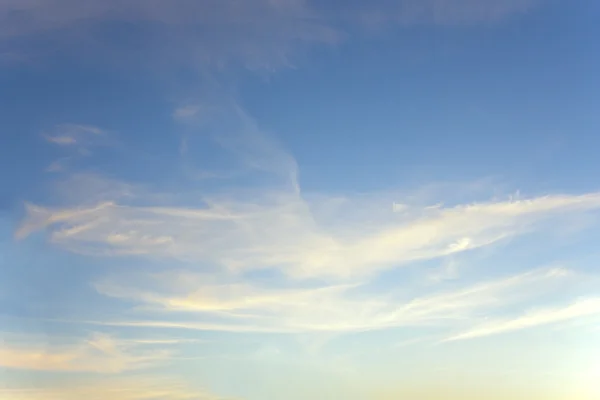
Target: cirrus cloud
257 34
100 353
136 387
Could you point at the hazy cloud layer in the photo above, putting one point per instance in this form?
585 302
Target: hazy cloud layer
442 12
545 316
125 388
278 230
99 353
258 34
240 247
243 307
342 242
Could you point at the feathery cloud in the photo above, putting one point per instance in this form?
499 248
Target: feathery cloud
441 12
100 353
246 308
535 318
78 140
72 134
136 387
279 230
257 34
274 225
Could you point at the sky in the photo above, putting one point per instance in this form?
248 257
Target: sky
299 199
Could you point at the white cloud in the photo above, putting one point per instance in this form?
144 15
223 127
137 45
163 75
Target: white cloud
78 141
99 353
74 134
279 230
136 387
247 308
578 309
57 166
344 241
441 12
258 34
187 112
273 224
61 140
221 120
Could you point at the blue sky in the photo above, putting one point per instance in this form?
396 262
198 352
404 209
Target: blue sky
291 199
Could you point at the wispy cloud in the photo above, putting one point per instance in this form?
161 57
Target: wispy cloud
257 34
442 12
136 387
341 241
61 140
272 224
58 165
78 141
222 120
251 250
187 112
279 230
73 134
99 353
246 308
535 318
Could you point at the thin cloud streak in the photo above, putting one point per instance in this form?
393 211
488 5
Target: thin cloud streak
72 134
100 353
532 319
282 232
275 225
226 123
244 249
325 309
262 35
441 12
136 387
213 34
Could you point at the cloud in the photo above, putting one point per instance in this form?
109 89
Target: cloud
100 353
326 250
257 34
220 119
343 242
61 140
187 112
247 308
73 134
78 141
214 34
442 12
270 223
136 387
278 229
58 165
541 317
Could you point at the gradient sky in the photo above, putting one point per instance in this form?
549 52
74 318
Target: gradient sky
299 199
